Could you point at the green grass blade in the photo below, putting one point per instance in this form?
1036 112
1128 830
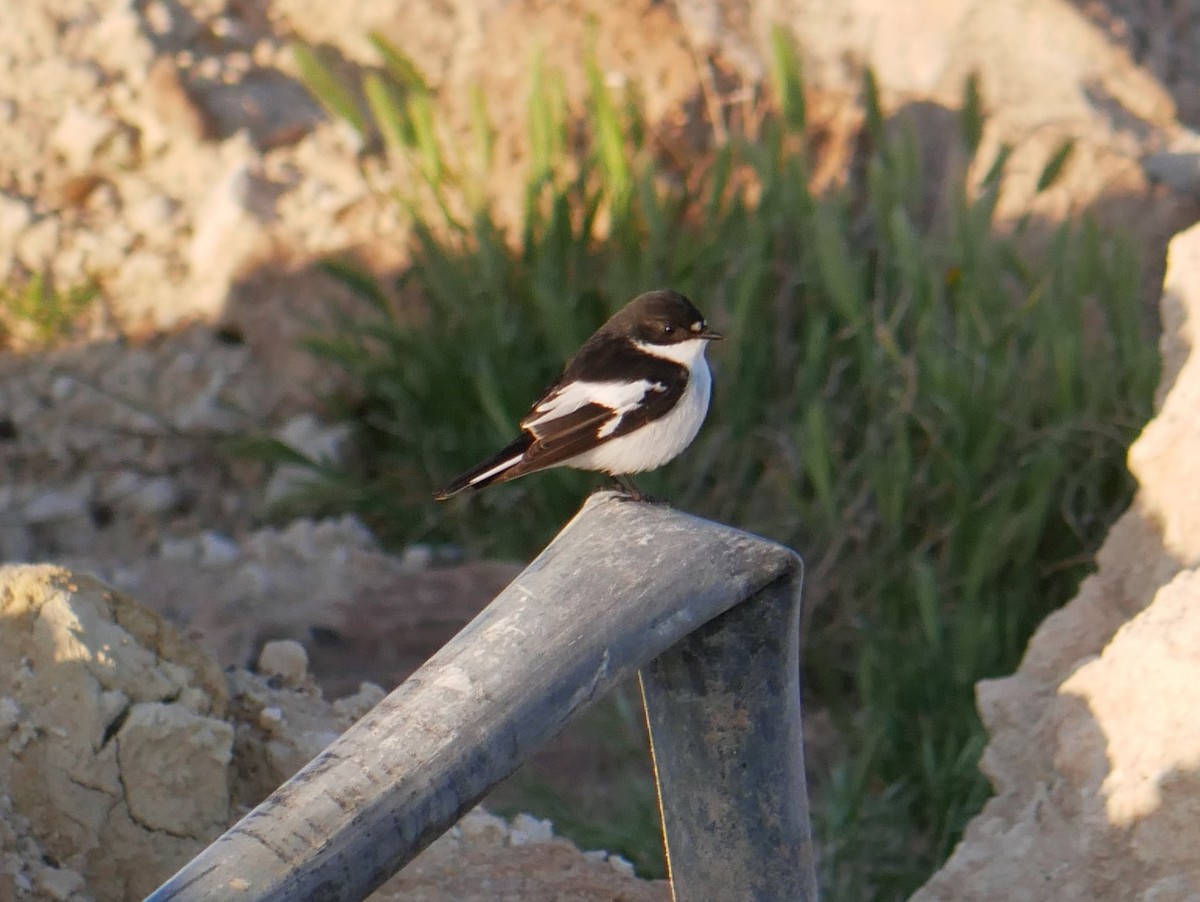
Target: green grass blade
327 88
787 80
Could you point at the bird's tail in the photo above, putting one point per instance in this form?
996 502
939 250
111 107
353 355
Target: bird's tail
496 468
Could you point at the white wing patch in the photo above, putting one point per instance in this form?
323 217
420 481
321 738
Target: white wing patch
615 423
619 397
655 443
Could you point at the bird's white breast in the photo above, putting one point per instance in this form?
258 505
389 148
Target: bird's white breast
657 442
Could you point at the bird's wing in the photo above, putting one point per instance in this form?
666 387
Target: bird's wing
578 416
579 405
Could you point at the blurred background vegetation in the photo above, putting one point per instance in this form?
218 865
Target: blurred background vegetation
932 409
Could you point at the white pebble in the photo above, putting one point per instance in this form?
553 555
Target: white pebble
285 659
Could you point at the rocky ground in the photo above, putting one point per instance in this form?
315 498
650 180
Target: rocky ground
128 750
163 150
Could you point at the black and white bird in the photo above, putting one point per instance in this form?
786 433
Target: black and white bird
631 399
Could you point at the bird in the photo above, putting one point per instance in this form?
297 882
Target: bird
632 398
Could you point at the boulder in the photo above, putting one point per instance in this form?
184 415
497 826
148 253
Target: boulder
1095 747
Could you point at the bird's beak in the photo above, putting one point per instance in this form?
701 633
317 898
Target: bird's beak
710 335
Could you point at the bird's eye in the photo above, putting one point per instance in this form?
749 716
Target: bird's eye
667 328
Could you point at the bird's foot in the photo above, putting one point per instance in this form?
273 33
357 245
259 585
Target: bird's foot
630 492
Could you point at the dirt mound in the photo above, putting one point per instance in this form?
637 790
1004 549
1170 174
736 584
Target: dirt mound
124 750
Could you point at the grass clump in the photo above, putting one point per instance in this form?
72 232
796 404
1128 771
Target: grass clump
37 312
934 412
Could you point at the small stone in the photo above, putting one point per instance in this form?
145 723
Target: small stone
154 496
217 550
80 135
38 243
1180 171
528 829
273 109
62 388
172 105
479 824
416 558
151 214
621 865
58 504
159 18
195 700
59 884
240 200
175 768
285 659
15 216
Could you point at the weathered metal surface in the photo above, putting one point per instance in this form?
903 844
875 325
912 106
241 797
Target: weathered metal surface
723 707
622 583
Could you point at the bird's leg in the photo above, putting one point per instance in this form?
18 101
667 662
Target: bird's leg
630 492
627 488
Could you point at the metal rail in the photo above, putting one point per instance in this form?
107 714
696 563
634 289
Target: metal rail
710 617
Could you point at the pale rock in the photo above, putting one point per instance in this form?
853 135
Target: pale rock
217 550
1166 456
81 135
100 251
160 17
75 657
168 110
417 557
60 504
1179 169
58 884
528 829
120 45
1094 744
15 217
480 823
152 214
622 866
238 203
285 659
271 720
154 496
63 387
37 244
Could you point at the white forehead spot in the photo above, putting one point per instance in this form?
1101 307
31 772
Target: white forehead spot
696 327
